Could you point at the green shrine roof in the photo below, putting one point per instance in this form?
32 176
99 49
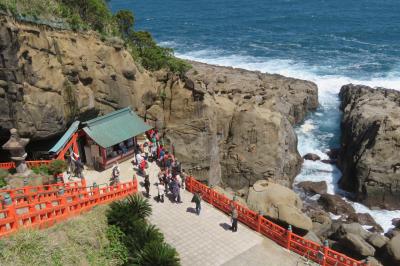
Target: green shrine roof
115 127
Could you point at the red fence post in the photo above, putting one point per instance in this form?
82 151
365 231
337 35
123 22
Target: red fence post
259 217
211 196
289 236
326 249
83 181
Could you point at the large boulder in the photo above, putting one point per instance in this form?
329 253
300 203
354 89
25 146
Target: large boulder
322 223
278 202
371 144
357 244
293 216
335 204
392 254
378 241
313 237
314 187
365 219
352 228
311 157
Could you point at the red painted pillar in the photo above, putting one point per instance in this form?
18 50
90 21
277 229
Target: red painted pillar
326 249
289 236
75 143
12 213
259 217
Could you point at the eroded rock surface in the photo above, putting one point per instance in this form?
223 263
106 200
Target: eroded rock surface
279 203
226 125
371 144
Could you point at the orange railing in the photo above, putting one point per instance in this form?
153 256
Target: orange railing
7 166
284 237
42 206
30 164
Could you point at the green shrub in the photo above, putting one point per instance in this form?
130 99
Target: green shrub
125 21
57 167
42 169
116 250
157 253
122 213
3 175
136 234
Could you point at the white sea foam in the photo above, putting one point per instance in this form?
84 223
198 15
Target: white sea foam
308 141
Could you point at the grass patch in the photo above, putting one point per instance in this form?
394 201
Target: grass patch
82 240
118 234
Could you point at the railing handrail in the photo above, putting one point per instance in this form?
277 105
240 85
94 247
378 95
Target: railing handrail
45 211
282 236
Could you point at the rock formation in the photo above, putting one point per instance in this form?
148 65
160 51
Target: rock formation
371 144
278 203
226 125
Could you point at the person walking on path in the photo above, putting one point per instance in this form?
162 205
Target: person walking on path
234 217
147 185
197 200
183 177
161 191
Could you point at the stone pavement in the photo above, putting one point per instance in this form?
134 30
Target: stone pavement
205 239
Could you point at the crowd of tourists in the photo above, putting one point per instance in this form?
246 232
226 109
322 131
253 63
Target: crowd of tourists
171 177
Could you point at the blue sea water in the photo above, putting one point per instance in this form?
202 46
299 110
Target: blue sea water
330 42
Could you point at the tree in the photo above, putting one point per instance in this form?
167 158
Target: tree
125 21
122 213
157 253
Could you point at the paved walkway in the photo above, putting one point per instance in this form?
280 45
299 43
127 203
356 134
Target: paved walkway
205 239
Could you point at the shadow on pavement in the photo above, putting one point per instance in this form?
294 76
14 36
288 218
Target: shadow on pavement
191 210
225 226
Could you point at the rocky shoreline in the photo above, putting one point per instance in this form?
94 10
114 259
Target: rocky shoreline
236 121
371 145
231 128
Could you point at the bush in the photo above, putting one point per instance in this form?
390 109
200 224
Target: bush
157 253
42 169
122 213
116 250
129 216
3 175
56 167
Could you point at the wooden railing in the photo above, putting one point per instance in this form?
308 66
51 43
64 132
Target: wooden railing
284 237
40 207
7 166
30 164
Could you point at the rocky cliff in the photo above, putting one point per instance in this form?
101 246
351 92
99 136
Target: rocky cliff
226 125
371 144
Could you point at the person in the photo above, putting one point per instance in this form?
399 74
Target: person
168 159
161 191
153 151
122 147
139 158
183 178
175 190
147 185
160 155
142 168
165 181
197 200
234 217
115 174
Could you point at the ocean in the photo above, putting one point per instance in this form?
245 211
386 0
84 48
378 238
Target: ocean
331 43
